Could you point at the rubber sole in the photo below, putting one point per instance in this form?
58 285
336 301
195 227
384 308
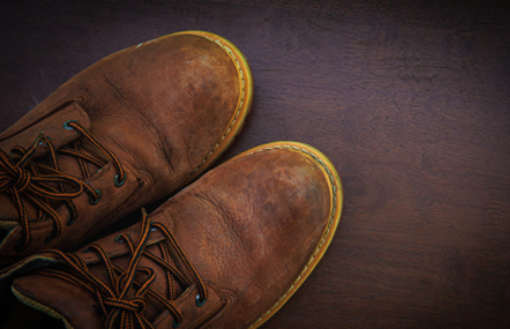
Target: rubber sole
335 211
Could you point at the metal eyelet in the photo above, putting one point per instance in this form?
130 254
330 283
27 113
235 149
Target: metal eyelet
199 301
67 126
117 182
93 201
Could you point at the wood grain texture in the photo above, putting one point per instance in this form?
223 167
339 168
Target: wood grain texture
410 102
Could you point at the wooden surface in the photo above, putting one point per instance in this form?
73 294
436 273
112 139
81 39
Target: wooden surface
411 103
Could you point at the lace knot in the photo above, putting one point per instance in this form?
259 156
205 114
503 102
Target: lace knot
134 305
22 179
124 312
17 178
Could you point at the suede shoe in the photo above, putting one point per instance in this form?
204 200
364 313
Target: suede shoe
129 130
226 252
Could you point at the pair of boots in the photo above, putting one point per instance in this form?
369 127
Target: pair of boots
227 251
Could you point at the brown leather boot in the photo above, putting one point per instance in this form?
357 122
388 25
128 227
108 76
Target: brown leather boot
226 252
130 129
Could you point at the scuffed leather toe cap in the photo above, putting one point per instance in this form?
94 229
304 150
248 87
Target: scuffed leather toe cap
258 225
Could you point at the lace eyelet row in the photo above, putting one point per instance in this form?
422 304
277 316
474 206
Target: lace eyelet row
117 180
16 160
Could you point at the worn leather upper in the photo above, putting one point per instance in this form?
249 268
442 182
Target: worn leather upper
162 107
250 227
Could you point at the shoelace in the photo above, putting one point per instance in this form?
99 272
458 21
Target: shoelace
123 300
42 184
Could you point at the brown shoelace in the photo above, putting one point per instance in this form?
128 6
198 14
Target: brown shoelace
123 300
26 179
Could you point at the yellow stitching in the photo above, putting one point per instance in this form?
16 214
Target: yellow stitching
240 102
325 234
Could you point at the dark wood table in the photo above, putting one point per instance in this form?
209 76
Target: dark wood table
411 103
